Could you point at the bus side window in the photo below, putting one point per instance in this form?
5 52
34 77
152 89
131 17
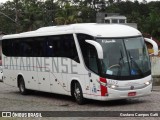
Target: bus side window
38 46
89 52
4 47
7 47
69 48
62 46
49 47
27 48
16 47
11 47
92 58
54 48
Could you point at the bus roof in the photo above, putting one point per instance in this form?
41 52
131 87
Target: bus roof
94 29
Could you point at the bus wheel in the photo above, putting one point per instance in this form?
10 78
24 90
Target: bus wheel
78 93
22 87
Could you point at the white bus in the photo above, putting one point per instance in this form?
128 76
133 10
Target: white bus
93 61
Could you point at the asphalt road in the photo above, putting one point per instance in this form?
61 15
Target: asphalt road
12 100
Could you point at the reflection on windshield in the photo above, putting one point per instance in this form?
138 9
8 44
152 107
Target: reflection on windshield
125 57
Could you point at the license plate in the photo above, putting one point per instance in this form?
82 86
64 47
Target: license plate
132 94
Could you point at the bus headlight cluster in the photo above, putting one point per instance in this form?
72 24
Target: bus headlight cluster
148 82
112 86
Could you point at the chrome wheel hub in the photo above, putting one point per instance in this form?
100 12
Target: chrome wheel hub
77 93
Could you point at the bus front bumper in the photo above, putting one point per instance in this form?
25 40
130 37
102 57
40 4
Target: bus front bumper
117 94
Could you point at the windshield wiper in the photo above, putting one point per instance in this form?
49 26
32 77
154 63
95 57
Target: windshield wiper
134 62
121 63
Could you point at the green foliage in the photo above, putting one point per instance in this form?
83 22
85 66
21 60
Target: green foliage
7 24
31 17
67 15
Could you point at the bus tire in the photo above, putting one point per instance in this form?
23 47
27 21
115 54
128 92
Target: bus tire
78 95
22 87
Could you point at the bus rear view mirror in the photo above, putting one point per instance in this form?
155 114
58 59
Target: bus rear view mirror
98 48
154 44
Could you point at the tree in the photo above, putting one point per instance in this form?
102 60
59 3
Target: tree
49 10
152 24
67 15
7 25
31 16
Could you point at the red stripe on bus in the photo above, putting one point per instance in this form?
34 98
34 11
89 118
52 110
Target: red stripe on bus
104 90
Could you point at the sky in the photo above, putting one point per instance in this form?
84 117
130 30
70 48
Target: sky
3 1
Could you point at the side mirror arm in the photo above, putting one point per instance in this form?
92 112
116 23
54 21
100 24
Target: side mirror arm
98 48
155 46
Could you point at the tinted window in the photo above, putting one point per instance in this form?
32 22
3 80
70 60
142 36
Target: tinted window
26 47
49 46
89 52
62 46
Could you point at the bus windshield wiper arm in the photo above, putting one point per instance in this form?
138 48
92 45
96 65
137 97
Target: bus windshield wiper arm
121 61
132 60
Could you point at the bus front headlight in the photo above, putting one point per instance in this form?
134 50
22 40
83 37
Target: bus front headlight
113 86
148 82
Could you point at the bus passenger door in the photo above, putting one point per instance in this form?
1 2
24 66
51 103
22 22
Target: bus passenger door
91 61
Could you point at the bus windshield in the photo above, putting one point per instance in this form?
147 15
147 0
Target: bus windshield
124 57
